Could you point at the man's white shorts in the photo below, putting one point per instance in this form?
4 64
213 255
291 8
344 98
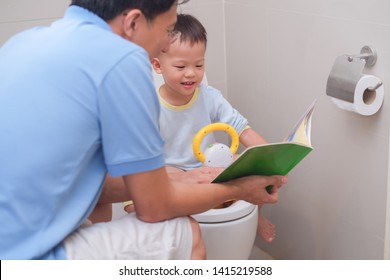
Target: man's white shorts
130 238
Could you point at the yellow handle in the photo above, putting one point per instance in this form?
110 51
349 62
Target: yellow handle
210 128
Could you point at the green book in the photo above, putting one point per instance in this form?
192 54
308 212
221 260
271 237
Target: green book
275 158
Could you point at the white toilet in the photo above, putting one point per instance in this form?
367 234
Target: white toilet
229 233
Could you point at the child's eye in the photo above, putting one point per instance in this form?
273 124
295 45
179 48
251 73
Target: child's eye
199 66
179 67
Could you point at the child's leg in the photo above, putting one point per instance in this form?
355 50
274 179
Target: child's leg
265 229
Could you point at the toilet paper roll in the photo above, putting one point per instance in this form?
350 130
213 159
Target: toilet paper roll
366 101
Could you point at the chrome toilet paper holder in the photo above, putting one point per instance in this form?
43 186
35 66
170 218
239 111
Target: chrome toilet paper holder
346 72
368 54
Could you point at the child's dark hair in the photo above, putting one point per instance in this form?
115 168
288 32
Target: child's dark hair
191 29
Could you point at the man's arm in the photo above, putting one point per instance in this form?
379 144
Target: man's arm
157 198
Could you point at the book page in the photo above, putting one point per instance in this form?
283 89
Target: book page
302 130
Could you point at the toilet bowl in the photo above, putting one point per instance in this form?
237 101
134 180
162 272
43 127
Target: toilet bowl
229 233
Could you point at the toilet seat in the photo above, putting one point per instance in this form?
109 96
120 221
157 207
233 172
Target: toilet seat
235 211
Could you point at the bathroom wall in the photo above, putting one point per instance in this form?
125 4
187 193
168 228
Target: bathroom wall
18 15
271 58
279 55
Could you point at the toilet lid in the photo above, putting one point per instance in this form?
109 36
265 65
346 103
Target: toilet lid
235 211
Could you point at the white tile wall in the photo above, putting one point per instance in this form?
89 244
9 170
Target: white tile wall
18 15
22 10
279 55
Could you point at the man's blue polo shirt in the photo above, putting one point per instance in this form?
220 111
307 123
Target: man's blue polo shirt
76 100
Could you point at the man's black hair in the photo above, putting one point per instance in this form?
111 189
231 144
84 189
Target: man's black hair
109 9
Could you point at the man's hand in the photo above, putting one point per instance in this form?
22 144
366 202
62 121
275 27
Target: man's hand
253 188
201 175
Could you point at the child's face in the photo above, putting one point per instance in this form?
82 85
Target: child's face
183 67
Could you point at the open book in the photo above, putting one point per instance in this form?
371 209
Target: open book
273 158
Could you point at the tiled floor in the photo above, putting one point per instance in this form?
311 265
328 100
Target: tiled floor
258 254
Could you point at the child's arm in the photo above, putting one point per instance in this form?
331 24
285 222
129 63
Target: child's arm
249 138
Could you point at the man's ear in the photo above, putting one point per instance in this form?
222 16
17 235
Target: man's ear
156 65
132 22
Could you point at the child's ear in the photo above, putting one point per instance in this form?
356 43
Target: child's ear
156 65
131 22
